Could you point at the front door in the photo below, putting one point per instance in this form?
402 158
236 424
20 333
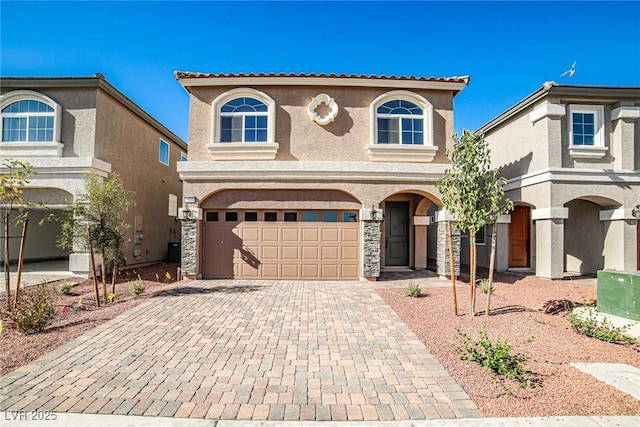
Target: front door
519 237
397 233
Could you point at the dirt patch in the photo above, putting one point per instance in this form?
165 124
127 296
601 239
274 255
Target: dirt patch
518 316
17 349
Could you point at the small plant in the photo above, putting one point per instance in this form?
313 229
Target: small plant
137 287
413 290
64 288
485 285
33 310
496 358
601 329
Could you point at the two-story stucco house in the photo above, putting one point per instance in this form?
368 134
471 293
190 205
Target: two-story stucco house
572 158
66 127
313 176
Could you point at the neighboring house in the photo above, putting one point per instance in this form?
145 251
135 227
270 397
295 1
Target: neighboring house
572 158
68 126
313 176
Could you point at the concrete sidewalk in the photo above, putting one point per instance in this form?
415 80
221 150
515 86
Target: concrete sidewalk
83 420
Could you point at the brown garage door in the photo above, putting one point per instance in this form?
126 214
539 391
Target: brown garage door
281 245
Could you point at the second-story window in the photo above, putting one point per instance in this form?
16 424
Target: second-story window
244 119
28 120
586 126
400 122
163 152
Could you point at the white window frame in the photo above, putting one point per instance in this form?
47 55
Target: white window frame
598 149
243 150
160 144
184 157
31 148
402 152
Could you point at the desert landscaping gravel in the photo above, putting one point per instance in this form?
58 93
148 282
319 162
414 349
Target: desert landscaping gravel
550 345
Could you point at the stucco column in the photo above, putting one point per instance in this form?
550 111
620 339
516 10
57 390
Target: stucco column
620 245
80 263
371 236
549 114
549 223
502 243
622 137
442 255
420 224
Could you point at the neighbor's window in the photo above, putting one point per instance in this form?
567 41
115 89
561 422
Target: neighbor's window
400 122
243 119
183 157
586 125
28 120
163 152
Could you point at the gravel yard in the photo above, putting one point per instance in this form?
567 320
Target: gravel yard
547 340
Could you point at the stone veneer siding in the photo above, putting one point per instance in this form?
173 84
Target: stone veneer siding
188 254
371 255
443 249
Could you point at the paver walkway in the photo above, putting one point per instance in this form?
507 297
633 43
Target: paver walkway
260 350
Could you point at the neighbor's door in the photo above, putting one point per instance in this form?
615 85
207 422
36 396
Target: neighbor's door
519 233
397 233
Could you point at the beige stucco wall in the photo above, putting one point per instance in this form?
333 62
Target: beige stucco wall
300 138
130 144
583 238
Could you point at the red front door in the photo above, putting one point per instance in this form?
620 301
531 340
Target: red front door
519 237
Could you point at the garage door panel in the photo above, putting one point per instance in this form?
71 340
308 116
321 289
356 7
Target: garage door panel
310 271
281 250
290 253
310 235
290 234
329 235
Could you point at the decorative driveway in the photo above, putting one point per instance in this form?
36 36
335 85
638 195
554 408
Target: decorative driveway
260 350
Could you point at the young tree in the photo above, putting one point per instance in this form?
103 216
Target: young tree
94 222
12 183
464 189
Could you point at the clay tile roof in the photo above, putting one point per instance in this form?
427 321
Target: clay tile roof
179 75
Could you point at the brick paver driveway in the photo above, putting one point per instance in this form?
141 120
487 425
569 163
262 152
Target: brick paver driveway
247 350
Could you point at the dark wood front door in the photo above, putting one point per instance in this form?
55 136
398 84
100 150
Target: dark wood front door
519 237
397 233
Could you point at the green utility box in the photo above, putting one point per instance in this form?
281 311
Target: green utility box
619 293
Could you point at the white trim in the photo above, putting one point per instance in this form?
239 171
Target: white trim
504 219
19 95
196 171
547 109
320 81
584 176
427 115
243 151
31 149
184 157
598 149
401 153
550 213
160 143
616 215
315 103
625 112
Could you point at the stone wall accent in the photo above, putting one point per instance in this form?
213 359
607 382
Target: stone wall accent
443 249
189 248
371 255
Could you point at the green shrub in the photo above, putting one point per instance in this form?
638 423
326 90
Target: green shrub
600 329
413 290
65 288
136 287
496 358
484 286
34 310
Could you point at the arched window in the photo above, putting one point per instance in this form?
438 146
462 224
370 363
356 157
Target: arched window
28 120
400 122
244 119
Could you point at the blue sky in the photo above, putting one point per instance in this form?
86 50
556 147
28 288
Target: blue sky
508 48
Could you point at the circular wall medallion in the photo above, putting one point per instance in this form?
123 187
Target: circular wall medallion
322 109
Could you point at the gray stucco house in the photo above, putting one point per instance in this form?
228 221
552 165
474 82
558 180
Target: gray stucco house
572 158
67 126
